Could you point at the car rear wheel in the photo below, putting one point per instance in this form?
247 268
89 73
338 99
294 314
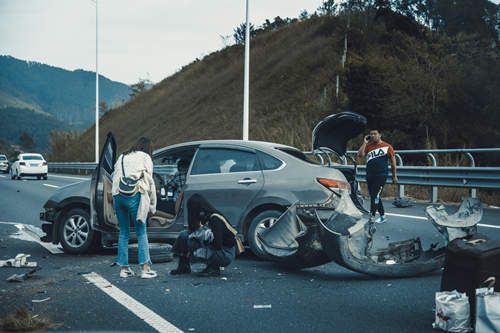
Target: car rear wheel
260 223
75 233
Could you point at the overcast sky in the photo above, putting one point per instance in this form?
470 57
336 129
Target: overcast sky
148 39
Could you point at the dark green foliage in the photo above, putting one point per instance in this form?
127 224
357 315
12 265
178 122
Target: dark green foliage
240 33
16 123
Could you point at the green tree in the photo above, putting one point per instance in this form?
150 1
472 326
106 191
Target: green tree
103 108
240 33
26 142
139 87
327 8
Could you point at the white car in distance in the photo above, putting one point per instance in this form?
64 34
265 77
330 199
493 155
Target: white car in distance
29 164
4 163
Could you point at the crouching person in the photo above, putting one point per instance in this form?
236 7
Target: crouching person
208 236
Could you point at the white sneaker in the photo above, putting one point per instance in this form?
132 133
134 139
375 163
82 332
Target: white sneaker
148 274
125 273
381 219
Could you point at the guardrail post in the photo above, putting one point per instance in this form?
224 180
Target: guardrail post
401 188
434 196
473 165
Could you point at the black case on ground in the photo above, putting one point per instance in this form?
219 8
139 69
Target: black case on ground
467 265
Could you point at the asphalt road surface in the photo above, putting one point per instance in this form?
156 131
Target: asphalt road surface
83 293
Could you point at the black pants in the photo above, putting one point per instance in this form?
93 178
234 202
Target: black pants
185 247
375 187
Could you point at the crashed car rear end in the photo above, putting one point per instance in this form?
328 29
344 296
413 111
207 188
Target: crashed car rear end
340 230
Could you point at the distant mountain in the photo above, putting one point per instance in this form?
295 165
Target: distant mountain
61 96
37 125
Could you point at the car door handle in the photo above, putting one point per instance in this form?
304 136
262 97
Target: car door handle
247 181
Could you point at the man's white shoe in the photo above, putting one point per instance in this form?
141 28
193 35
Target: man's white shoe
148 274
381 219
124 273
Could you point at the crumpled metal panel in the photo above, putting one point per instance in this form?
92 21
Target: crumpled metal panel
310 235
462 223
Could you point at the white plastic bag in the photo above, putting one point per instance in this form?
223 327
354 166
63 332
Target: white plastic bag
487 310
452 312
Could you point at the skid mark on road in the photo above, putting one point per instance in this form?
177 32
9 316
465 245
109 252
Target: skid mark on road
141 311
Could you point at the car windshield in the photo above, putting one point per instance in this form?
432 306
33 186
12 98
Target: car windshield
298 154
3 158
32 157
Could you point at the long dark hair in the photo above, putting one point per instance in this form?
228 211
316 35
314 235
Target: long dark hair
199 210
142 144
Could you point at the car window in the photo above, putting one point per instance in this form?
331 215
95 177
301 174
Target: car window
215 160
3 158
269 162
32 158
298 154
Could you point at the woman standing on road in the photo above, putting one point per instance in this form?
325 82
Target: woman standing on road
135 164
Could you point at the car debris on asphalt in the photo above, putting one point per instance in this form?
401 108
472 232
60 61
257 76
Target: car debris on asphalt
22 277
20 260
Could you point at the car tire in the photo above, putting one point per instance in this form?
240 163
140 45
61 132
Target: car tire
76 219
38 177
260 222
12 176
158 252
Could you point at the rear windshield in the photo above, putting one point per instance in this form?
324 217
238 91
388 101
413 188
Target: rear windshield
3 158
298 154
32 157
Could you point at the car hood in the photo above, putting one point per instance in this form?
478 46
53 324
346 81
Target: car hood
336 130
80 189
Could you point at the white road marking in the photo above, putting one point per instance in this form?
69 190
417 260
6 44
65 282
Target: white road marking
58 176
141 311
3 176
408 216
50 185
425 218
31 233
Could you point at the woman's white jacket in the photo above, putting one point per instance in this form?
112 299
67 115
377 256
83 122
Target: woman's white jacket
138 165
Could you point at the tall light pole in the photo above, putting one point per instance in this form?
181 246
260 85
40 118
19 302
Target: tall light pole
246 79
96 92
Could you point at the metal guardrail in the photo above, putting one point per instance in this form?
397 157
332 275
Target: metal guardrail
88 167
471 177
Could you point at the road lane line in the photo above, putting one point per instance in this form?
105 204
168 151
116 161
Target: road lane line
425 218
50 185
58 176
141 311
408 216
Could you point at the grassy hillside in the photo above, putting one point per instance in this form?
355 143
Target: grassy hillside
416 88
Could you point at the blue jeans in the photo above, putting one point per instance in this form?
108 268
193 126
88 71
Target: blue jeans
126 211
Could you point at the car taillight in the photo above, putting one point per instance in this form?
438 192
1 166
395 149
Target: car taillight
44 163
336 186
22 163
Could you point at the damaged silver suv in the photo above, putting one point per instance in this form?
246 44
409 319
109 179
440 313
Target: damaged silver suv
252 183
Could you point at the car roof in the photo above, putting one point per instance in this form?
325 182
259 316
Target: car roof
242 143
25 154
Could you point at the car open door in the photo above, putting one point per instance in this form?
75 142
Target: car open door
103 216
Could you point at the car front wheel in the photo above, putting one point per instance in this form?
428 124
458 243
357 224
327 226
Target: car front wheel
260 223
76 235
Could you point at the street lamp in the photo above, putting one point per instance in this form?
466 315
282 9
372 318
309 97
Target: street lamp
96 93
246 79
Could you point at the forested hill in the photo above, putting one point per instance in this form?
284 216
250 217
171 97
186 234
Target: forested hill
424 85
68 96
